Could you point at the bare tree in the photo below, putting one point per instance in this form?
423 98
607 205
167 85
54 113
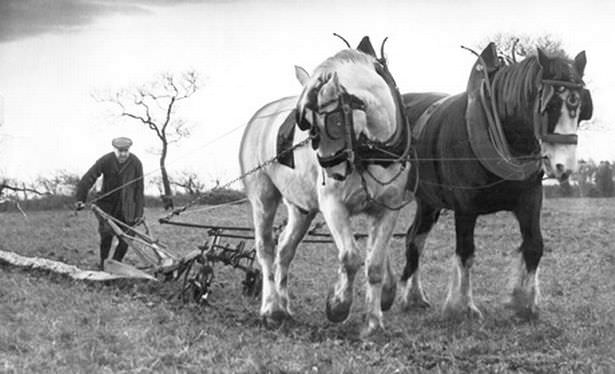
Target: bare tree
511 46
61 182
190 182
153 105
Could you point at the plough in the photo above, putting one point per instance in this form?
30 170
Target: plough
195 270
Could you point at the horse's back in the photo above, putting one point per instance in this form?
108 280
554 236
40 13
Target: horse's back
259 147
258 142
442 147
416 103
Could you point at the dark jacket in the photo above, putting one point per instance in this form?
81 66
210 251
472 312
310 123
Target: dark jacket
126 182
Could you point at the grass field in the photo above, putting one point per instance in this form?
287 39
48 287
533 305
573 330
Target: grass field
52 324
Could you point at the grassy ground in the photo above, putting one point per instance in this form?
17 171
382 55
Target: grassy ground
51 324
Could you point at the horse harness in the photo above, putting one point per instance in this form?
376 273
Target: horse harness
520 168
495 155
359 152
541 123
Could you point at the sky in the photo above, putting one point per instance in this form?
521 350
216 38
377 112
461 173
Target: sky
55 54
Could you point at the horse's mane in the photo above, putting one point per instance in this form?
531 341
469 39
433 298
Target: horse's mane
346 56
323 71
515 88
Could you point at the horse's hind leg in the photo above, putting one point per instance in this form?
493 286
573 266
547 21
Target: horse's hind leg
525 294
265 198
424 219
389 286
298 223
459 300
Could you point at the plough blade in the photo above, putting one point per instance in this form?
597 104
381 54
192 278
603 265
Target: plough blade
119 268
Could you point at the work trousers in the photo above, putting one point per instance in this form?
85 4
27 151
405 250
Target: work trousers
106 239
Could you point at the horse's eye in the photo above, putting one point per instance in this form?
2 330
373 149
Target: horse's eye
335 125
560 89
573 100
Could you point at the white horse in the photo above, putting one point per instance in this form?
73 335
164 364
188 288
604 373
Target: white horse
351 107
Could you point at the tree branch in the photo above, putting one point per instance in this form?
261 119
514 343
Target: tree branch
5 185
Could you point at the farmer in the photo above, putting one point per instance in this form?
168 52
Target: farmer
121 195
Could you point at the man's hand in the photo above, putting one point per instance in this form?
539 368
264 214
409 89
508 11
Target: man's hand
79 205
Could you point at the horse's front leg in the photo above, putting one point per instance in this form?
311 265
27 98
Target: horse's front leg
298 223
459 299
339 298
380 282
525 293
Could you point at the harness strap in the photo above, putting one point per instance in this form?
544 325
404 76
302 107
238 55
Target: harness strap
397 147
505 166
568 84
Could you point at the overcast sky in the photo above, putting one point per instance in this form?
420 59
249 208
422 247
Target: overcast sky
54 54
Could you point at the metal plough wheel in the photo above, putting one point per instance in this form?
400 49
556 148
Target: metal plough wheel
197 281
253 283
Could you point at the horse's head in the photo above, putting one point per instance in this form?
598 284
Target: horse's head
563 102
346 98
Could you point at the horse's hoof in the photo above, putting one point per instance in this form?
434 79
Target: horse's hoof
275 319
374 334
526 312
474 313
388 296
337 311
522 305
454 311
415 302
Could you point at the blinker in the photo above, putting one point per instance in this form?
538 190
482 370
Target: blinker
548 89
334 125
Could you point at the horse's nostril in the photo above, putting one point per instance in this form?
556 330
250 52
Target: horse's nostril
559 168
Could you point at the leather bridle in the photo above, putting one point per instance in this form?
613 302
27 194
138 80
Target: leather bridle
357 151
541 122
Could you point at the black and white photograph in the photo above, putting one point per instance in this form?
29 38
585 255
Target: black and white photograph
291 186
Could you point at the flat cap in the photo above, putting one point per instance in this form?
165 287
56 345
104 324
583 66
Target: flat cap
121 142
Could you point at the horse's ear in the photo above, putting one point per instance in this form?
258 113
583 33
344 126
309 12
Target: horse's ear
547 89
366 47
335 79
580 61
545 96
302 75
543 59
330 88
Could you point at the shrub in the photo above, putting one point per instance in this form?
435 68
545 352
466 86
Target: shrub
64 202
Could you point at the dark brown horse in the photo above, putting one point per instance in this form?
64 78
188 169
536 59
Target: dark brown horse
486 150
